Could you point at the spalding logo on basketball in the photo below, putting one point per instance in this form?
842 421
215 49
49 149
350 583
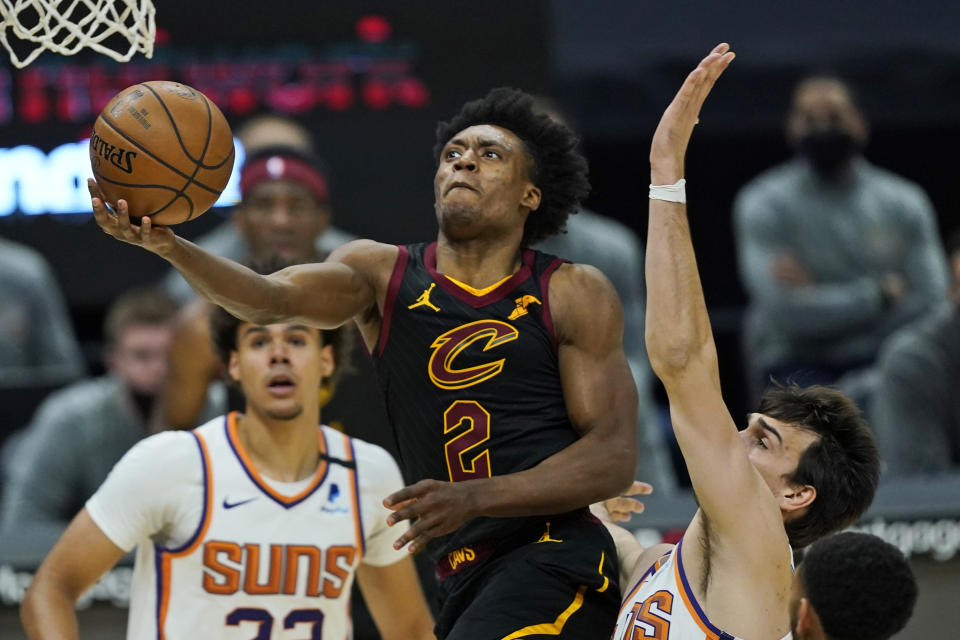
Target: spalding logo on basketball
164 148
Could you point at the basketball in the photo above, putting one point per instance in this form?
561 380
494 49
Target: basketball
164 148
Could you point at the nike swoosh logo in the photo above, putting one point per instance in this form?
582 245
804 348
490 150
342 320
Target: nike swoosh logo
231 505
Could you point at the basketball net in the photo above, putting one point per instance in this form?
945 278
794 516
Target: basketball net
67 26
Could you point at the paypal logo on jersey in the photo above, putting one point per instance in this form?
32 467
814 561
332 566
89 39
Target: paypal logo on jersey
334 500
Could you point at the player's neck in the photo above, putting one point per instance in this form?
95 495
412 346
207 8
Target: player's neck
282 450
477 262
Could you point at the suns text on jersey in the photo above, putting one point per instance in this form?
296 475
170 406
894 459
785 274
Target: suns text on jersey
229 567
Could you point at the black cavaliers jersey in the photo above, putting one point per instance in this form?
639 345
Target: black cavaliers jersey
471 382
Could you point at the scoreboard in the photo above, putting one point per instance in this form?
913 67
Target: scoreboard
370 80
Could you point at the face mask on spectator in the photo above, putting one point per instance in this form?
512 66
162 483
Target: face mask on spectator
829 150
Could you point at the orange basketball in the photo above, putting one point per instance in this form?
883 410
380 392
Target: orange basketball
164 148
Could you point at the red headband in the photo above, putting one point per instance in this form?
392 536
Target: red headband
279 167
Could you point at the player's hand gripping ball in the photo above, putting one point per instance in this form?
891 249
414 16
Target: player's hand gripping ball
164 148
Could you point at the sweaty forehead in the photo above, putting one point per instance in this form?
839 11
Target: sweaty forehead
490 133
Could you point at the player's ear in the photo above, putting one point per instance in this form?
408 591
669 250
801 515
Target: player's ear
531 197
327 367
327 363
803 617
808 622
797 496
233 367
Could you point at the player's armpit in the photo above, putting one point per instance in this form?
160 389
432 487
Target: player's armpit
395 599
48 607
730 491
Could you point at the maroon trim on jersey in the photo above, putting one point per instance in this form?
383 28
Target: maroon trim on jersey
544 283
395 279
458 292
464 558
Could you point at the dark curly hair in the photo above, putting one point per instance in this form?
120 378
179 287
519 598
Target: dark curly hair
843 464
861 587
557 167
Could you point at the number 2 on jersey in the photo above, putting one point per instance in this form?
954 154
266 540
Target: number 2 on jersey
464 461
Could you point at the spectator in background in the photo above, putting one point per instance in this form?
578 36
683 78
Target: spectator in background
612 247
915 412
851 585
79 433
283 211
835 253
283 214
37 343
231 239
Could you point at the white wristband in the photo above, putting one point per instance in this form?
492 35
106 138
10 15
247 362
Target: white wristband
676 192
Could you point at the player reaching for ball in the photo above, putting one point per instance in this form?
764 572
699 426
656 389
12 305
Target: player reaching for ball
503 369
165 147
252 525
805 465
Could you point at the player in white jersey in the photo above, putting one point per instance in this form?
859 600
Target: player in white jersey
253 525
835 591
805 465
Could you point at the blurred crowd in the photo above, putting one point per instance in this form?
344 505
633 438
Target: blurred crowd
849 284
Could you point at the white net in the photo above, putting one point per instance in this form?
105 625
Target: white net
116 28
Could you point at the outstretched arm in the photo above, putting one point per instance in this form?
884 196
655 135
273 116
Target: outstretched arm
731 493
602 404
323 295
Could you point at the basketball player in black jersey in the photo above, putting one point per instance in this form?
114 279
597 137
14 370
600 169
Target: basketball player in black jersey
503 369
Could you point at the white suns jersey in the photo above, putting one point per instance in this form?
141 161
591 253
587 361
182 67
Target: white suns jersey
661 606
260 564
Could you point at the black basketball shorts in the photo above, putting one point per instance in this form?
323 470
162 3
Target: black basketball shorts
556 579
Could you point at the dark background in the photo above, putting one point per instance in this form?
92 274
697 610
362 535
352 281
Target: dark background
613 65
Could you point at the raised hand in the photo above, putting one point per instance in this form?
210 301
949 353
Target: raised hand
159 240
670 140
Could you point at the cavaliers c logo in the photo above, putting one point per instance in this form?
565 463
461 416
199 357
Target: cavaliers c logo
447 346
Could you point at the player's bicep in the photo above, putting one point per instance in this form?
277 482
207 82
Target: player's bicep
597 383
71 572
